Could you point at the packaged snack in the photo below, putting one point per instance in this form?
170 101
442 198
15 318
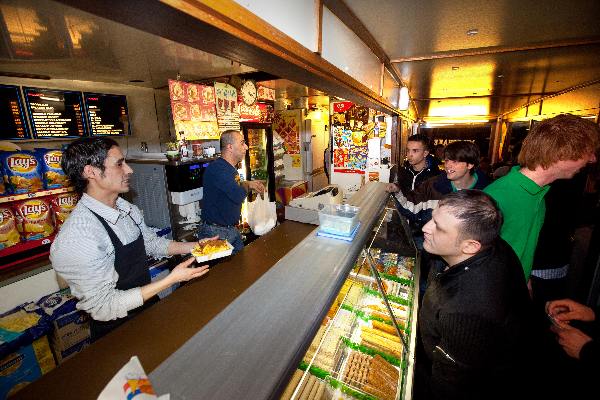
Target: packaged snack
62 205
54 176
21 171
34 219
9 235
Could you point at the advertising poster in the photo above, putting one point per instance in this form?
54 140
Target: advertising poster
228 116
287 124
193 108
351 130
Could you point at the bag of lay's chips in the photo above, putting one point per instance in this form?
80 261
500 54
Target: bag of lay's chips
54 176
21 171
62 205
3 187
9 235
34 219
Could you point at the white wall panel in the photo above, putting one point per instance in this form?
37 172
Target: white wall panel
295 18
345 50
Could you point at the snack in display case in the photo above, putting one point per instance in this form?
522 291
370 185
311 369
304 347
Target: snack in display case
9 235
212 249
34 219
22 171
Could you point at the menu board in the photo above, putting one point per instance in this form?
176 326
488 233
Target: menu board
12 117
228 115
55 113
193 109
106 113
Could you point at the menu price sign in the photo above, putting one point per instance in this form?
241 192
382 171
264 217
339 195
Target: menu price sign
55 113
12 118
228 115
107 114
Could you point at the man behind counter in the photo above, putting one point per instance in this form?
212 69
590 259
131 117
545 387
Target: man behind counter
102 248
224 193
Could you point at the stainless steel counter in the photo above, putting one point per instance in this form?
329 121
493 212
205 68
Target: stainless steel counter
250 349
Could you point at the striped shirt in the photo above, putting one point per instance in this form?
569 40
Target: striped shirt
83 255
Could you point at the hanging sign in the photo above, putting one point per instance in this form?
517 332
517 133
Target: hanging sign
193 108
228 116
342 106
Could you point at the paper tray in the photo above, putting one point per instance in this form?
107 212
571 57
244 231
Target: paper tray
218 254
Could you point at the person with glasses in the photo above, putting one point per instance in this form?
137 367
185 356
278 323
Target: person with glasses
224 193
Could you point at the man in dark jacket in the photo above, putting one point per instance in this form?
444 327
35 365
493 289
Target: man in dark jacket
476 320
461 160
418 166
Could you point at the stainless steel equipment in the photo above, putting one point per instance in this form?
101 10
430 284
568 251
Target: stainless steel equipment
169 193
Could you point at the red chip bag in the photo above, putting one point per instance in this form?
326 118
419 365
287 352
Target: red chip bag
34 219
62 205
9 235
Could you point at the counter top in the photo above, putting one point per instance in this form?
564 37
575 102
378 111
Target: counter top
163 161
161 330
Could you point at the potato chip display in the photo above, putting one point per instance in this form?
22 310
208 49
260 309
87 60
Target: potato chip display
61 206
22 171
34 220
54 176
9 235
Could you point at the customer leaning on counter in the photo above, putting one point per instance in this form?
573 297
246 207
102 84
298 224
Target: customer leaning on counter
101 250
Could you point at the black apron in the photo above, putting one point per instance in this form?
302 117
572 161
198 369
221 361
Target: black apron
130 264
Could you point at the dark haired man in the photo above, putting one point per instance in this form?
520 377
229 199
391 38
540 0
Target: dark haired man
101 249
224 193
556 148
418 166
475 321
461 160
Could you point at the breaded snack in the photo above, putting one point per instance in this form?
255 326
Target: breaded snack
9 235
34 219
209 247
22 171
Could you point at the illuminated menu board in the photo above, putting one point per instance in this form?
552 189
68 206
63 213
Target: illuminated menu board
55 113
107 114
12 118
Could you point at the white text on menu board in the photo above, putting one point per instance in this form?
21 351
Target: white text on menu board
97 127
47 122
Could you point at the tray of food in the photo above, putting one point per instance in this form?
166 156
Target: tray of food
212 249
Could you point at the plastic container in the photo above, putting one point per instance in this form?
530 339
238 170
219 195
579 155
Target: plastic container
338 219
215 255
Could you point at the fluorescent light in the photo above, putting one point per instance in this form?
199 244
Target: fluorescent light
404 98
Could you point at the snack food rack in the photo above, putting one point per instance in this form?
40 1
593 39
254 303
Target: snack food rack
31 250
357 352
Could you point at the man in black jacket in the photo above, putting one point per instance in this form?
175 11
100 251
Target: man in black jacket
417 168
476 321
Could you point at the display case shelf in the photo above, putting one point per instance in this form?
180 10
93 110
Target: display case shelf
41 193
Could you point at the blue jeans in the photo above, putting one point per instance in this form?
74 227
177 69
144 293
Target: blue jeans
230 233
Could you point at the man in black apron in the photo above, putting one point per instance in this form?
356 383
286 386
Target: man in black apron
101 250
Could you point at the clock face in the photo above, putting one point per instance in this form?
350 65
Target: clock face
249 92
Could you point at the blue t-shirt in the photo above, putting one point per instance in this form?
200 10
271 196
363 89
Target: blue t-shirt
223 196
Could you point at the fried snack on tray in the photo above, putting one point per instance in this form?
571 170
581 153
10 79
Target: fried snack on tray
209 247
382 379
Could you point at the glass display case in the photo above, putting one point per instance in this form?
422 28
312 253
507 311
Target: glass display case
364 346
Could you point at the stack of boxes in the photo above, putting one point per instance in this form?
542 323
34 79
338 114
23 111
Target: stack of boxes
36 336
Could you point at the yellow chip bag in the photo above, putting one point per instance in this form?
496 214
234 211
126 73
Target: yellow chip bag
9 235
34 219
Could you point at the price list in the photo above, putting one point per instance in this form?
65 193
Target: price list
55 113
12 118
107 114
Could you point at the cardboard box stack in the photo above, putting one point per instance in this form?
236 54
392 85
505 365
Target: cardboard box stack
24 350
69 327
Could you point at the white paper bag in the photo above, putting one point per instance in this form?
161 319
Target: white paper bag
131 382
262 216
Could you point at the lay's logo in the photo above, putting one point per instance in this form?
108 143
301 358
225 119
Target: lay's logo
34 209
22 163
5 215
66 201
52 159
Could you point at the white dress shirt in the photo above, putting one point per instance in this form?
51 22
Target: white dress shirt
84 256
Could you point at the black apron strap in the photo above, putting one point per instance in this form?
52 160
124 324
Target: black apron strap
130 264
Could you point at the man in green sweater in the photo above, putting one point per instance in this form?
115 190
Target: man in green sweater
556 148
